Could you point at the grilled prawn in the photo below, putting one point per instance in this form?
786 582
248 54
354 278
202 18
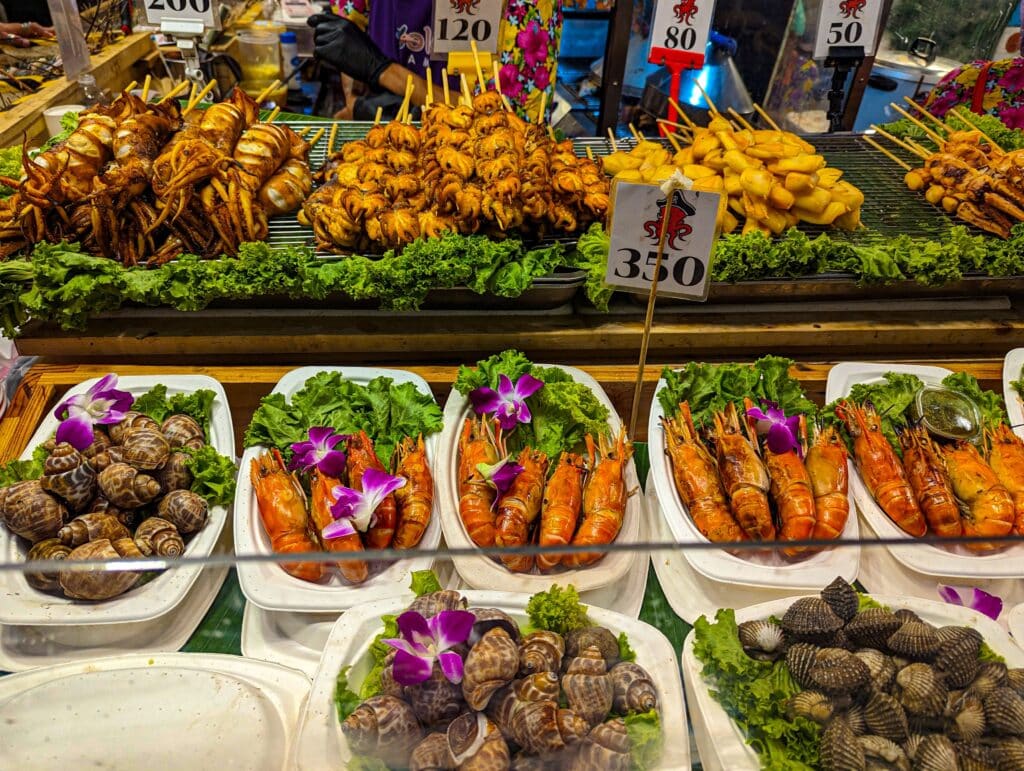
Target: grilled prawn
415 500
362 456
927 476
1006 457
792 493
519 508
744 476
604 499
986 504
476 497
321 488
829 473
563 496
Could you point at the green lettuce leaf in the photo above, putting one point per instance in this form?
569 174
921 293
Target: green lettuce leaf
891 398
22 470
197 404
645 739
557 610
424 582
365 763
345 700
591 255
989 402
213 475
511 363
626 652
378 650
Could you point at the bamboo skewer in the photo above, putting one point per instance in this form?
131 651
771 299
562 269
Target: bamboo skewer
199 97
444 86
128 89
273 115
145 87
682 115
590 153
611 138
378 115
497 86
467 95
707 98
896 141
918 148
683 131
766 117
331 137
268 91
430 91
405 102
551 133
317 137
541 113
925 113
939 140
183 86
480 80
740 119
192 94
889 155
673 141
986 137
635 133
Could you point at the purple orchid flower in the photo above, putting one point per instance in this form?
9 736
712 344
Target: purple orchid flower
353 510
975 599
319 453
508 403
500 476
425 641
102 404
782 431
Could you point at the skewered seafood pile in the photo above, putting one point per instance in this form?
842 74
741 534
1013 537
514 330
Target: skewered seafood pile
506 712
730 492
468 170
769 180
145 183
890 690
295 522
947 489
126 495
579 503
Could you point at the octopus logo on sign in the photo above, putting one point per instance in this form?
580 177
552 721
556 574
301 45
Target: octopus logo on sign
677 229
686 10
851 9
465 6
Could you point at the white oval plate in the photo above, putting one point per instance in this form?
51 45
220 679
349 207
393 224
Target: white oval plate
265 583
1012 364
763 569
321 744
719 740
483 572
196 711
945 561
1015 622
22 605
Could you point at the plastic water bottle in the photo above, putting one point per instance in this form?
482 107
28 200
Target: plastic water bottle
290 59
92 94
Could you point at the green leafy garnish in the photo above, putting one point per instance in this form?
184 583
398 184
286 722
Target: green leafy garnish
891 398
591 255
645 739
424 582
986 654
366 763
372 685
198 405
754 694
386 411
10 166
989 403
557 610
626 652
213 475
22 470
1018 384
1006 137
345 700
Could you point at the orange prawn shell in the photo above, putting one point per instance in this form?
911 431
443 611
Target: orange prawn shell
927 476
1006 457
476 497
986 504
826 464
604 498
744 476
560 511
415 501
362 456
519 507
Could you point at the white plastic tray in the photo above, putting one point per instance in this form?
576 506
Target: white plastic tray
719 740
745 568
1015 622
484 572
23 605
321 744
946 561
1014 407
265 583
145 711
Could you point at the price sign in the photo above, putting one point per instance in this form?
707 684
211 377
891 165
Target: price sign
457 22
636 228
845 23
681 27
203 11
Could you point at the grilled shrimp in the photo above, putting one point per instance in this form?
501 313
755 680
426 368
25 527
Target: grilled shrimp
416 499
792 493
321 489
927 476
362 456
880 469
519 507
986 504
476 497
282 506
696 478
826 466
604 499
744 476
563 496
1006 457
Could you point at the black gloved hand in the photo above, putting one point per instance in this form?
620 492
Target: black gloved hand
343 45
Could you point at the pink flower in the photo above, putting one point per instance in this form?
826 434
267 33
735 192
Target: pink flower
510 85
1013 78
541 78
1012 116
944 103
533 41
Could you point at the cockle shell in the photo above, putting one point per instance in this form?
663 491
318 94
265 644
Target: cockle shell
541 652
185 509
842 598
145 449
490 664
127 487
110 456
810 619
132 419
579 640
31 512
951 634
605 748
490 617
435 701
854 717
840 749
887 753
1004 712
920 690
957 659
967 721
972 756
69 476
47 549
881 667
1015 680
588 686
1008 753
872 628
838 672
384 727
762 639
475 744
429 605
840 640
431 754
886 717
175 474
905 615
799 660
915 640
935 752
100 584
812 705
183 431
91 527
991 675
633 688
156 536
